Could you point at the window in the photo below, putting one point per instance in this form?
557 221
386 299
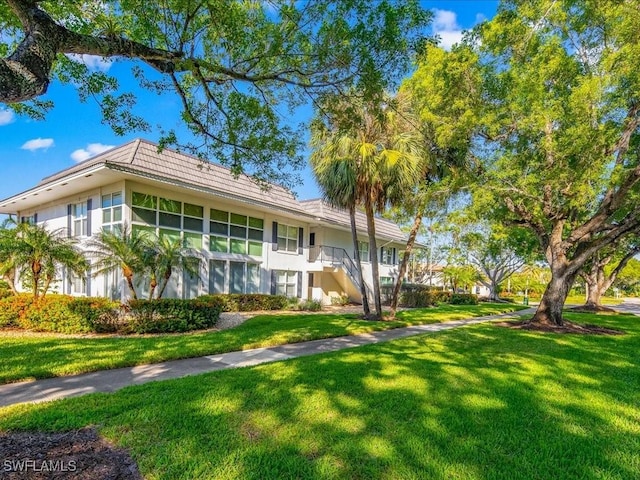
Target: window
78 284
242 277
235 233
287 238
386 281
363 248
79 219
173 218
112 211
31 220
388 256
286 283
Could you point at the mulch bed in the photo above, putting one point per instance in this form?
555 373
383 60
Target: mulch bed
567 327
78 455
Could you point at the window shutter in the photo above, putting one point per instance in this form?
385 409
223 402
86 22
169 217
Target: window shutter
69 220
88 281
273 282
89 207
300 239
67 275
299 287
274 236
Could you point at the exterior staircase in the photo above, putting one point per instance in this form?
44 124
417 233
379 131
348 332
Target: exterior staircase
337 257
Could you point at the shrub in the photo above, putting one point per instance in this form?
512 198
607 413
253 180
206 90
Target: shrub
248 302
463 299
5 291
168 315
13 308
422 296
342 300
101 314
310 305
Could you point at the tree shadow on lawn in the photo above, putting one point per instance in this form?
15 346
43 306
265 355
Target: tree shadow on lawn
478 402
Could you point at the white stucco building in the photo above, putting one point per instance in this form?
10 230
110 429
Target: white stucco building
247 239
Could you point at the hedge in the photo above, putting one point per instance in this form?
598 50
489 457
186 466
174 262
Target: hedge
168 315
463 299
412 295
248 302
57 313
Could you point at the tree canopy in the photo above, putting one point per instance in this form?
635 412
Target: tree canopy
238 67
556 117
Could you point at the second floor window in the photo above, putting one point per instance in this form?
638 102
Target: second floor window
79 219
287 238
112 211
363 248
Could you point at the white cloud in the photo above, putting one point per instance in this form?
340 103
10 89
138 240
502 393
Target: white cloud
37 144
445 25
92 150
480 17
6 117
93 62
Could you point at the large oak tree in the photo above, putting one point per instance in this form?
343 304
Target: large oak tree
558 133
236 66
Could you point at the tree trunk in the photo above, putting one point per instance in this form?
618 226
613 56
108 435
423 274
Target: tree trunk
405 261
594 294
549 311
371 230
165 281
152 287
36 268
128 274
493 290
356 250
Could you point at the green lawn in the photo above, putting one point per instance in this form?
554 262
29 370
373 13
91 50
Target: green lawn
571 300
479 402
24 357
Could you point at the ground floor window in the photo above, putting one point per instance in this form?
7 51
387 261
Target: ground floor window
78 284
386 280
227 276
286 283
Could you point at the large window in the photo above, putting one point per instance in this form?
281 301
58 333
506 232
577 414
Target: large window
287 238
235 233
286 283
112 211
172 218
233 277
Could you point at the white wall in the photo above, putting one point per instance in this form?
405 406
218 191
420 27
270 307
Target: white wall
54 214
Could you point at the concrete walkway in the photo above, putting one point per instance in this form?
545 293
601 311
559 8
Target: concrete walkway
112 380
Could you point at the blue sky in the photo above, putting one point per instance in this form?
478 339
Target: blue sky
72 131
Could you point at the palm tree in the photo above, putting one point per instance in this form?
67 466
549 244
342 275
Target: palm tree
121 249
337 178
163 258
8 251
384 159
38 253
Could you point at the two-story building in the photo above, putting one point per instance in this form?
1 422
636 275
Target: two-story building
247 239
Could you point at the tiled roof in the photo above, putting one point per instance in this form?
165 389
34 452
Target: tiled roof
384 228
141 158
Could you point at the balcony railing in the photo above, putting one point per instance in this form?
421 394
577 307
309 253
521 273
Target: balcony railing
339 258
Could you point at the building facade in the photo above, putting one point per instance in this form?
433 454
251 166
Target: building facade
243 238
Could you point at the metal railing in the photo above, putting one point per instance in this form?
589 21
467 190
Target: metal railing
338 257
